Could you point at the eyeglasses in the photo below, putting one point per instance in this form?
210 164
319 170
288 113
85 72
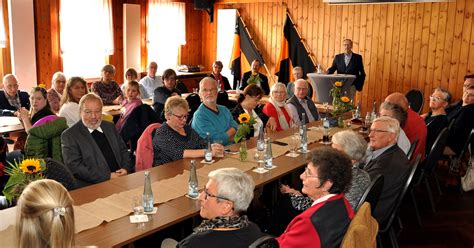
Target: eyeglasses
307 173
467 85
181 117
378 130
207 195
209 90
435 98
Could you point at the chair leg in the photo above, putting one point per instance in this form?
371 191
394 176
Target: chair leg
430 195
399 222
437 183
379 241
393 238
415 205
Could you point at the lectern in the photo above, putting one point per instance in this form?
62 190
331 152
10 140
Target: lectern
323 83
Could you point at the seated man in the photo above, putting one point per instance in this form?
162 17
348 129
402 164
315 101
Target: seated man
225 198
397 113
415 127
453 110
388 160
463 124
297 74
255 77
151 81
300 103
92 148
212 118
12 99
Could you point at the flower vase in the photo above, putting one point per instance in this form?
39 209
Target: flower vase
340 121
243 150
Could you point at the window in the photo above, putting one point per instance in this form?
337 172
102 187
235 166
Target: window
166 32
3 38
225 39
86 36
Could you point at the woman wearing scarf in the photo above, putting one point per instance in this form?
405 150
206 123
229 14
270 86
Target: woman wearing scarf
277 107
226 196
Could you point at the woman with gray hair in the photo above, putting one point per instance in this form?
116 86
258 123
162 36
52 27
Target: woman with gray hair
226 196
436 119
58 84
107 88
354 146
277 107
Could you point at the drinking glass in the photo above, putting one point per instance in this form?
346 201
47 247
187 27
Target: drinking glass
260 159
295 143
137 205
219 143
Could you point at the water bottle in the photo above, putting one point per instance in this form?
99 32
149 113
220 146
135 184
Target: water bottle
261 139
147 194
208 153
193 191
268 154
303 134
373 114
319 69
357 112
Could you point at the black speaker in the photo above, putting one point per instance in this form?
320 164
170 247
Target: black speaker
203 4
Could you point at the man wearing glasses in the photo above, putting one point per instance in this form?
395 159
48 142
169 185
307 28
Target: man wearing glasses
226 196
213 118
300 103
12 99
388 160
453 110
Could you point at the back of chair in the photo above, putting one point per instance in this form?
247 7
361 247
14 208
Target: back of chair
372 193
415 100
436 151
193 101
266 241
138 120
145 153
59 172
362 231
414 165
412 149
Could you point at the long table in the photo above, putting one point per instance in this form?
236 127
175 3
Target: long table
121 232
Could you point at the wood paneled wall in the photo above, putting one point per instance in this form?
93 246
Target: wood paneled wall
404 46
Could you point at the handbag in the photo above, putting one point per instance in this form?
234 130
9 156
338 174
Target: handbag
467 181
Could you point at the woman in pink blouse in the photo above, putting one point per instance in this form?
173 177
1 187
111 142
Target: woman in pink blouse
132 100
277 107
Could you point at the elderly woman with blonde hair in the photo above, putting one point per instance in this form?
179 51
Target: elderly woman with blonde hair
45 216
277 107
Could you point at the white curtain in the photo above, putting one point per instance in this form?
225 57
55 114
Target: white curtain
3 38
86 36
166 32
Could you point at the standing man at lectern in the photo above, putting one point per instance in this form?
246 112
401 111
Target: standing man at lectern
349 63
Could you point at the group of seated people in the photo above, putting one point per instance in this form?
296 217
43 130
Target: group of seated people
333 181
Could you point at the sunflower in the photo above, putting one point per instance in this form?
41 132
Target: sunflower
244 118
345 99
30 166
42 86
338 84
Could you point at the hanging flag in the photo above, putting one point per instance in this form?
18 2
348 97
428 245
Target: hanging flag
293 53
244 51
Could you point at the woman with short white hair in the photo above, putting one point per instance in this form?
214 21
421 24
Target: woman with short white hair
277 107
56 91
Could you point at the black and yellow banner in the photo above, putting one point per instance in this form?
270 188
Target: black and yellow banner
293 53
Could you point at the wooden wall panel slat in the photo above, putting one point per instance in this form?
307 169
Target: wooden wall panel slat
466 38
470 64
456 49
417 56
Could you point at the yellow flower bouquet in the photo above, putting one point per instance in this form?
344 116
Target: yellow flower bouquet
22 172
340 103
245 122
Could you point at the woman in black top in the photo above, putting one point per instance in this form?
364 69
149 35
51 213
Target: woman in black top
39 108
248 103
222 82
436 119
175 139
163 92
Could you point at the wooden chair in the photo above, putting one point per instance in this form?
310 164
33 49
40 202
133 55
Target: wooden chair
362 231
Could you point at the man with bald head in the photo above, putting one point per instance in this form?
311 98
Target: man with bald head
151 81
213 118
300 103
415 127
12 99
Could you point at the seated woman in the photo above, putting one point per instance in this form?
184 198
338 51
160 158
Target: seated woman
56 91
354 145
224 201
76 87
247 103
436 119
39 108
45 216
222 82
277 107
324 224
107 88
163 92
132 100
175 139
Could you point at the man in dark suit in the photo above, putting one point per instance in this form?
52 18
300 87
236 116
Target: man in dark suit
255 77
387 159
92 149
12 99
349 63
